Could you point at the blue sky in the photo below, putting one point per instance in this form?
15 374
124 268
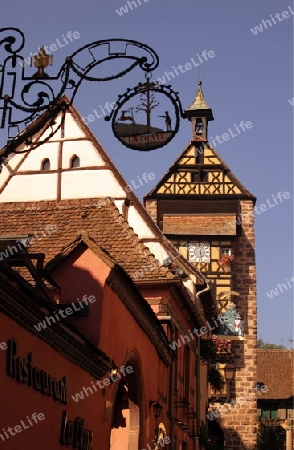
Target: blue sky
250 79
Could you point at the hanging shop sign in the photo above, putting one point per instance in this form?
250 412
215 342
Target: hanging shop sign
146 117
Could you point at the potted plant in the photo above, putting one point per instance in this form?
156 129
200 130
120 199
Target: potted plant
226 260
208 350
215 379
222 346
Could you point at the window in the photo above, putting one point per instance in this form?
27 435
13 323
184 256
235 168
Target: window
75 161
199 127
225 251
270 411
45 165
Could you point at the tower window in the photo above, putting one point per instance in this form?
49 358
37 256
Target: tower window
45 165
225 251
199 127
75 161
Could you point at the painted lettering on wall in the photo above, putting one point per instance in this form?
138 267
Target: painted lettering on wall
23 370
74 433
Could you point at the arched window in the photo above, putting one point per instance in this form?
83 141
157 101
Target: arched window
45 165
75 161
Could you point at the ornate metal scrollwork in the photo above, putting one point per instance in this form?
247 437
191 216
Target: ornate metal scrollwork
24 98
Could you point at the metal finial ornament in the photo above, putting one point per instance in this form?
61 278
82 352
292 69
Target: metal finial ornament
41 61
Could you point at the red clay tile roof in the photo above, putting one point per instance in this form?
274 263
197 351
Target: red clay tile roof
198 225
275 368
57 224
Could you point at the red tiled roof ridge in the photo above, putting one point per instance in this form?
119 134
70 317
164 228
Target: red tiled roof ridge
110 209
140 245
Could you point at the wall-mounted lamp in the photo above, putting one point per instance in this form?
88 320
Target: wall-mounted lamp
157 407
229 371
113 373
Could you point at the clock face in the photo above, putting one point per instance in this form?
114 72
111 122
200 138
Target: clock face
199 252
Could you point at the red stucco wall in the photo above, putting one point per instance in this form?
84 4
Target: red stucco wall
18 400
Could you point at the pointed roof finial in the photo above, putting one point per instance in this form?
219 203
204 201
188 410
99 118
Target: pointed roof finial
199 101
199 107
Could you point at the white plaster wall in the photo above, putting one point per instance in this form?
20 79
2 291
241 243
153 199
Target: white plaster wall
4 175
191 288
57 134
119 205
141 228
157 249
35 158
29 188
14 159
85 150
72 128
90 184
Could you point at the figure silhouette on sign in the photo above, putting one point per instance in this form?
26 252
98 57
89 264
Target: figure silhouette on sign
167 121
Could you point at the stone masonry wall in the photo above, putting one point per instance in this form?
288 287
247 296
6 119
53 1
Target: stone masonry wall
239 421
151 207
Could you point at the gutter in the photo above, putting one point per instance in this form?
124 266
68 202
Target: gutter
168 319
197 385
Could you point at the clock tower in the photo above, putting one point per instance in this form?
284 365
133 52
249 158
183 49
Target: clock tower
207 213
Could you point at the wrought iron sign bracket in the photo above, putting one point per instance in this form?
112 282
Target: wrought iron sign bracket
24 98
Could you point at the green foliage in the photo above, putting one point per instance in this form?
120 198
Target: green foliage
208 350
215 379
271 438
267 346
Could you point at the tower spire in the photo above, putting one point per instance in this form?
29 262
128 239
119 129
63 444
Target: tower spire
199 114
